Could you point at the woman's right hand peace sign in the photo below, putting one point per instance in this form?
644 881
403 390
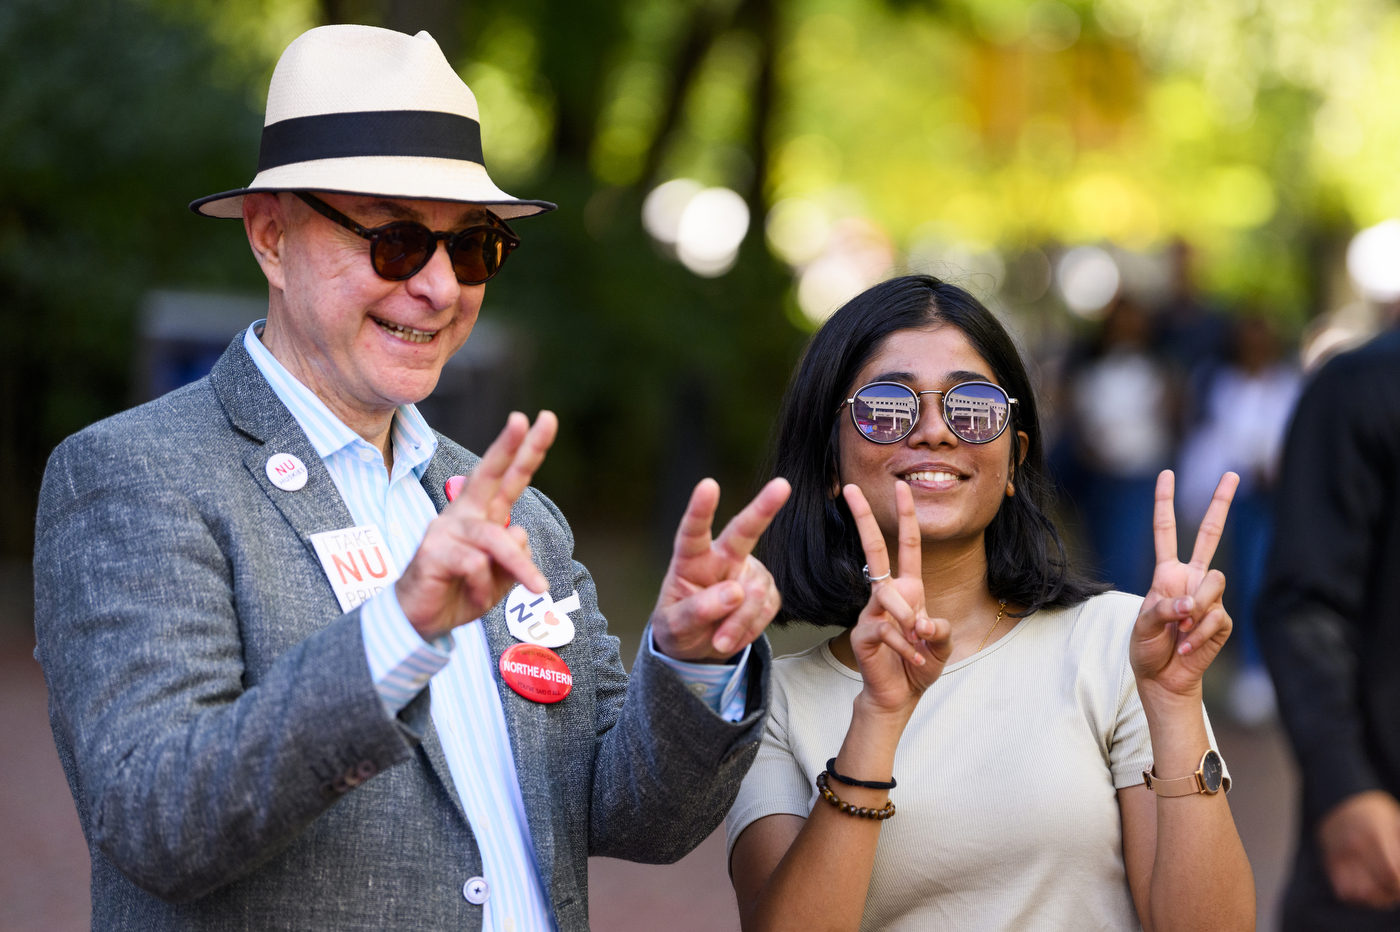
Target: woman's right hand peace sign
899 648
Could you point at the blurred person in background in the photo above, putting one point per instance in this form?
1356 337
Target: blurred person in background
1329 625
1192 335
1247 403
1008 706
1122 403
243 715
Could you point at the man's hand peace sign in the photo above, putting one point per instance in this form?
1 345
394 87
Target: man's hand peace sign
1183 623
716 598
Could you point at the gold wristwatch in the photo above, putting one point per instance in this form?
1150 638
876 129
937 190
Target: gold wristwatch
1207 778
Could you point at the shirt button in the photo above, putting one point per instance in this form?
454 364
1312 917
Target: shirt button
509 924
366 455
476 890
396 529
698 689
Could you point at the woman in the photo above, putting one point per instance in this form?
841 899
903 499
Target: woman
1016 705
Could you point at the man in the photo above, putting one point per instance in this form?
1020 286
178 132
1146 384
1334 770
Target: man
263 729
1329 625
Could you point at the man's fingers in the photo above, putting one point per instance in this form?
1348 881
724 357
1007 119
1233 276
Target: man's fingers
528 458
504 549
693 535
486 477
745 625
1164 517
743 530
911 554
709 605
1213 525
877 557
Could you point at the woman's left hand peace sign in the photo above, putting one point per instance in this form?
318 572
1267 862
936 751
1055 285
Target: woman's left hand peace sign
1183 622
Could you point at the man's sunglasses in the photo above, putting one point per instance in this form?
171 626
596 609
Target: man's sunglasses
399 250
886 412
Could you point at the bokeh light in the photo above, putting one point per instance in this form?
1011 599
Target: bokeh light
1373 260
1088 279
712 226
858 255
663 207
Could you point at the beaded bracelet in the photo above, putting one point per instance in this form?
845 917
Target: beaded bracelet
878 815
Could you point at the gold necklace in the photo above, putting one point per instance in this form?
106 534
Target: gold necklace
992 628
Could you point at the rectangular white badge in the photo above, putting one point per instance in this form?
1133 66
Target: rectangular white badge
357 562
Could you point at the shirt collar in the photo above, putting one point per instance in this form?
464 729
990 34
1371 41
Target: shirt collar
414 441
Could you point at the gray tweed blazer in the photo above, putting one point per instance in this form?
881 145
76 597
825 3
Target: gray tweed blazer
231 762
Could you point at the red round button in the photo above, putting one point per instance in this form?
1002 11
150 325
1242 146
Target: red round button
535 672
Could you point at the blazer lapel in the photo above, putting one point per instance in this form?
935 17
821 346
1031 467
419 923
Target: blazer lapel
255 410
526 722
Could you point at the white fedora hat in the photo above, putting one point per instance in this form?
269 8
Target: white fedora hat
363 110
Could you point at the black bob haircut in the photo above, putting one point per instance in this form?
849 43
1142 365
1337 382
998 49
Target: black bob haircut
812 547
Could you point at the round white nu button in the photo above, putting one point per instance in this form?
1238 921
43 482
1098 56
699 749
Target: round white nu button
476 890
286 472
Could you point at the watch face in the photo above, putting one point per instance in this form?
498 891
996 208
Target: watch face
1212 771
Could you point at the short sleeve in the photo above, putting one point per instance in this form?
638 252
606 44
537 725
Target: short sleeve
1130 751
775 784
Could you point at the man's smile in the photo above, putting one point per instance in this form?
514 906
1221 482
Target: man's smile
407 334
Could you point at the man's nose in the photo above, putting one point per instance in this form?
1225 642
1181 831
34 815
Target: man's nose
436 281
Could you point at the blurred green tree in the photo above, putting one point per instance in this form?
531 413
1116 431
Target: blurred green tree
900 129
113 116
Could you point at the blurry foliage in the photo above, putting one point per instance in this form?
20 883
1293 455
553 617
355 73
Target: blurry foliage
1260 130
114 117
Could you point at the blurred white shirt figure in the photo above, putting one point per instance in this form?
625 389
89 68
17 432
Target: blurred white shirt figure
1121 399
1246 420
1248 405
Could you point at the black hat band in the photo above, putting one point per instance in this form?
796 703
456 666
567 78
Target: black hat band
415 133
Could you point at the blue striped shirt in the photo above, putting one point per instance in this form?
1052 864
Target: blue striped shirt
466 707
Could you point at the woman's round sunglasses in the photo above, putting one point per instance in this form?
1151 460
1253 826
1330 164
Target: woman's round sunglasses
399 250
886 412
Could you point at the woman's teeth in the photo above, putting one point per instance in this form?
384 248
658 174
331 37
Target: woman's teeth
407 334
929 476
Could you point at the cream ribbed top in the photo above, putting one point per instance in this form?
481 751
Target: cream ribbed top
1008 771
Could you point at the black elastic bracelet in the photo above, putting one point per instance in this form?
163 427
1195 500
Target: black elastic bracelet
868 784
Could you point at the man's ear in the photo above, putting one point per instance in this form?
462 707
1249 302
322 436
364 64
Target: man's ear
265 222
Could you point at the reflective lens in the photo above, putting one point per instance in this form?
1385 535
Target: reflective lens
976 411
400 250
477 254
885 411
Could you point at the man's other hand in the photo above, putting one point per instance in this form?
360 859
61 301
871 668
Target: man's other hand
469 559
1360 841
716 598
